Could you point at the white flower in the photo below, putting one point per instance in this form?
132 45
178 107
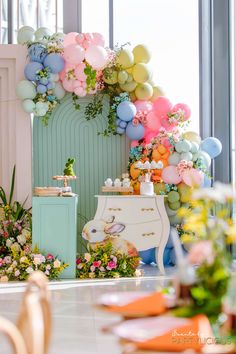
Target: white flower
56 264
15 247
80 266
9 243
38 259
26 233
4 278
7 260
10 270
138 273
48 267
21 239
23 259
17 273
46 272
14 264
87 256
29 270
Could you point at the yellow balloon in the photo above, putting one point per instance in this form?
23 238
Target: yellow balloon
129 70
192 136
157 91
130 78
122 77
141 73
110 77
125 58
144 91
141 54
129 86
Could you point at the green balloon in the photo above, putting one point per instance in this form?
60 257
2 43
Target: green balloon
175 205
175 219
25 89
59 91
173 197
169 211
28 106
25 34
174 159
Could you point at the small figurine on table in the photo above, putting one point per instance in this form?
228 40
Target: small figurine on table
69 174
68 170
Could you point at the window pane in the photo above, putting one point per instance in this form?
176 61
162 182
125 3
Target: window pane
95 17
170 29
3 21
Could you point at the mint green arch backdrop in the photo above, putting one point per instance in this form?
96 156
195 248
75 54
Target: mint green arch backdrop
70 135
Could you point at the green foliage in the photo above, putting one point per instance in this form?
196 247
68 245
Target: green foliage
94 108
68 170
90 77
75 99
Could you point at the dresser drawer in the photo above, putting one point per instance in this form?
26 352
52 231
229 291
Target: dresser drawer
144 236
131 210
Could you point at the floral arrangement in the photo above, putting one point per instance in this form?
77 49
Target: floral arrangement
209 228
102 261
17 258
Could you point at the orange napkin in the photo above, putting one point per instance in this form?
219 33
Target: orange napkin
150 305
193 335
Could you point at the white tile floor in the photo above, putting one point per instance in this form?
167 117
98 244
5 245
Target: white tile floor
77 323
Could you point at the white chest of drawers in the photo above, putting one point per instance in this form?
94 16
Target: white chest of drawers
145 219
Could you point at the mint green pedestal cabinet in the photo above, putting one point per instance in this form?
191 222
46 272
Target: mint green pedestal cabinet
55 229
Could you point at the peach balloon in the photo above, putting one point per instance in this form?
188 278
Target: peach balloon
167 125
134 143
134 172
193 177
143 105
70 38
79 72
170 175
156 156
74 54
68 85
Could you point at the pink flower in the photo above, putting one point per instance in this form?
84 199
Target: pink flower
111 265
97 264
5 234
135 122
92 268
1 262
102 269
78 261
201 252
49 257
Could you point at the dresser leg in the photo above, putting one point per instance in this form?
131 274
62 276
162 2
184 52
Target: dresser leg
159 260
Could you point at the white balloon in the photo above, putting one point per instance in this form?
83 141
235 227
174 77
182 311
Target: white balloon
25 89
28 106
42 32
59 91
96 56
54 77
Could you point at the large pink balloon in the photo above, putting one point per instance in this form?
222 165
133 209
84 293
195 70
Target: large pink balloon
98 39
68 85
153 122
143 105
149 135
184 107
79 72
193 177
96 56
170 175
70 38
162 106
74 54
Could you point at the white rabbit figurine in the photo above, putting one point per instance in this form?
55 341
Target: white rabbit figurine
126 182
117 182
108 182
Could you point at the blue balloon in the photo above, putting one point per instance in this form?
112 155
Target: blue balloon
32 69
120 130
212 146
55 62
37 52
126 111
51 85
207 182
41 88
118 121
135 132
123 124
43 81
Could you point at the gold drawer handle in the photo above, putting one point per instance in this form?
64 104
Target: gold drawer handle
147 209
149 234
114 209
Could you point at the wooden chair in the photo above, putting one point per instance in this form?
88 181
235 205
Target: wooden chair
33 328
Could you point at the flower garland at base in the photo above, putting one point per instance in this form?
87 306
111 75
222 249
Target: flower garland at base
105 262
